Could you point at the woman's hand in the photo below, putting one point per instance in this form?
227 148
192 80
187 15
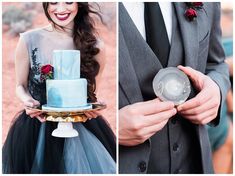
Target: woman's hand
22 65
92 114
31 103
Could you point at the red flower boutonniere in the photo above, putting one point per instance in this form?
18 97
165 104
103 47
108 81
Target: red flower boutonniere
46 72
191 12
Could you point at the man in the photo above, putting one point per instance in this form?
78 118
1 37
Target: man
156 136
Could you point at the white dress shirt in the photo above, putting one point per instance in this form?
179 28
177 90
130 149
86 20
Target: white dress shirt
136 12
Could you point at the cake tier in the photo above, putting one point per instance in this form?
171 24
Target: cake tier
66 64
66 93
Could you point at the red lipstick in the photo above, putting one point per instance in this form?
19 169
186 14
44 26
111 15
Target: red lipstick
62 17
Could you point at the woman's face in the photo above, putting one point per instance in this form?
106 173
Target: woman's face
63 13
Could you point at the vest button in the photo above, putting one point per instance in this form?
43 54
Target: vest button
178 171
173 120
142 166
175 147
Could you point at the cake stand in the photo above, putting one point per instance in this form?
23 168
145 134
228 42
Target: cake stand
65 130
65 117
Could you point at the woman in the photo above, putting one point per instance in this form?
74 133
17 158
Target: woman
29 147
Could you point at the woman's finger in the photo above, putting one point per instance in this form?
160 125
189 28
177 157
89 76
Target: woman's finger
95 113
32 103
91 114
28 104
31 113
41 118
88 115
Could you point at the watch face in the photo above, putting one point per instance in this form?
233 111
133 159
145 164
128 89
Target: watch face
171 84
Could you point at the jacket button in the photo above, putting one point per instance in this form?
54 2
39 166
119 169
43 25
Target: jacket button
142 166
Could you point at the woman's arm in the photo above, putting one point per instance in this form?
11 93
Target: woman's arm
22 72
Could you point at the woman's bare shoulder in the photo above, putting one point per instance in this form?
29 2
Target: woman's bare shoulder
35 31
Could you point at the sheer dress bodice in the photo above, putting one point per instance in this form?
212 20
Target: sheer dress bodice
40 44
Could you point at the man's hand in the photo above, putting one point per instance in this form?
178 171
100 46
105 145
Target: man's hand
204 107
139 121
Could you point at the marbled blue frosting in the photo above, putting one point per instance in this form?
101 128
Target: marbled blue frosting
67 93
66 64
67 90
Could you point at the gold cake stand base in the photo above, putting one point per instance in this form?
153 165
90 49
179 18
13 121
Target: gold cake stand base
73 116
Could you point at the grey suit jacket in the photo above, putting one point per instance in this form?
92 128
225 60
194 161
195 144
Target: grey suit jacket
203 52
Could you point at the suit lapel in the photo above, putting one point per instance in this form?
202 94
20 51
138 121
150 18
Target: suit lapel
138 47
175 55
136 58
189 31
127 77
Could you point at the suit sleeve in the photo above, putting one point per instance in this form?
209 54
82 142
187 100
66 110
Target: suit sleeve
216 68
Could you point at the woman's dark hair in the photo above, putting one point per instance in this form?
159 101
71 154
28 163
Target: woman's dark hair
85 41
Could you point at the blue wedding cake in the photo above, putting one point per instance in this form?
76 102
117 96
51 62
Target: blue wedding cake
67 91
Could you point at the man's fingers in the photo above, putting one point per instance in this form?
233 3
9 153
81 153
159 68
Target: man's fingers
132 142
200 99
158 118
151 130
195 76
145 133
199 109
200 118
191 73
151 107
188 71
206 120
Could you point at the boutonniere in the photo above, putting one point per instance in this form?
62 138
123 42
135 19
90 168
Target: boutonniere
46 72
191 11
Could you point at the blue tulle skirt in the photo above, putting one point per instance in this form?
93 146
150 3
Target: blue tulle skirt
36 151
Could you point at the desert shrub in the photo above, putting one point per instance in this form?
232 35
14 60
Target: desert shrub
17 19
29 5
